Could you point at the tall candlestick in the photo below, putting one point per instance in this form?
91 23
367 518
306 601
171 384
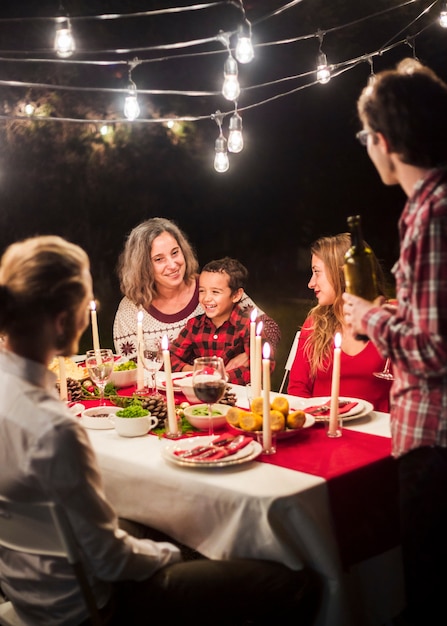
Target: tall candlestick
63 392
253 317
258 362
140 348
266 425
94 321
172 418
334 430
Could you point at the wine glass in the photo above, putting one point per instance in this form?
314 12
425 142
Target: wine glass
99 364
209 382
152 358
385 373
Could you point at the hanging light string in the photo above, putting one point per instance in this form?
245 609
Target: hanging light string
116 16
197 42
338 69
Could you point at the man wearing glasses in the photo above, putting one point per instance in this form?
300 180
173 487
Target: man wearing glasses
404 117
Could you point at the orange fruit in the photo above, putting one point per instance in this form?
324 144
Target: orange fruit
233 416
257 405
250 421
277 421
296 419
281 404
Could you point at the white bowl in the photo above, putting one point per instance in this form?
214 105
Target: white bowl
134 426
202 421
98 417
185 384
124 378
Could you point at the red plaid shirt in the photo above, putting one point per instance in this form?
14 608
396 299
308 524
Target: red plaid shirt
200 337
415 337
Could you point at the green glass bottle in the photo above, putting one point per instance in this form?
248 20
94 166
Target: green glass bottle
359 271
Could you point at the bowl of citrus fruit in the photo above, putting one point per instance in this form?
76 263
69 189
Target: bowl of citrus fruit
285 422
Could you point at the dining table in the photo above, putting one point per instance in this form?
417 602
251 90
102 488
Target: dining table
321 502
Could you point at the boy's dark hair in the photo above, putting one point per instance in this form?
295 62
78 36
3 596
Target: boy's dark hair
237 272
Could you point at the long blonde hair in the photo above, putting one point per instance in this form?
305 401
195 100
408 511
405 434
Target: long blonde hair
135 269
328 319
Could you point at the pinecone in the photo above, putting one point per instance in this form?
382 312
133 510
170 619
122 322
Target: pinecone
74 389
156 405
229 397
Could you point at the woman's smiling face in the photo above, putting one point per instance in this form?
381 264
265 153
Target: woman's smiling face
168 261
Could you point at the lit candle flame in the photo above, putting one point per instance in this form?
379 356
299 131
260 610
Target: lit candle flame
266 351
164 342
254 315
337 340
259 328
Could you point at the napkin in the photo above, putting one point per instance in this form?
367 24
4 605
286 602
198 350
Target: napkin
322 410
222 446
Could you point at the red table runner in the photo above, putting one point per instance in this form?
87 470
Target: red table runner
362 484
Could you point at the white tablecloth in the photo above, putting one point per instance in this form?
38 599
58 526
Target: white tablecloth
251 510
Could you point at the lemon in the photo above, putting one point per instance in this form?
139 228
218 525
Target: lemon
281 404
233 416
277 421
296 419
257 405
250 421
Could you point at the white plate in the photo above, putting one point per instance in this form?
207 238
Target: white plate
160 379
360 410
282 434
246 454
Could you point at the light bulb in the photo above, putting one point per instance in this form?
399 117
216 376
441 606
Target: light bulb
221 161
131 106
231 88
29 108
244 48
323 71
235 138
63 42
443 16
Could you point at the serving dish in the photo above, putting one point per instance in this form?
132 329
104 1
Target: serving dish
282 434
244 455
160 380
202 421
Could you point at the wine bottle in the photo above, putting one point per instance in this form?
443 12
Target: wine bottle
359 271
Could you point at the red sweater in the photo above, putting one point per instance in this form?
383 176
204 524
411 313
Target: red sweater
356 375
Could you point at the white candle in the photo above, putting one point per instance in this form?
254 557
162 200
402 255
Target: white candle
172 418
258 362
253 317
63 392
335 387
140 348
266 426
95 332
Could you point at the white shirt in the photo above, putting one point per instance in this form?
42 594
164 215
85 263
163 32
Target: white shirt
45 454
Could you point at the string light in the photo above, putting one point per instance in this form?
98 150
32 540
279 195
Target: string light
443 16
244 47
235 138
323 69
231 88
131 106
64 43
221 160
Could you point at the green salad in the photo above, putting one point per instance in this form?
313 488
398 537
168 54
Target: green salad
123 367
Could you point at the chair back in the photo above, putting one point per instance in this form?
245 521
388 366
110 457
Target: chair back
290 359
42 528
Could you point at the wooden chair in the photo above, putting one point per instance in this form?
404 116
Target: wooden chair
290 359
41 528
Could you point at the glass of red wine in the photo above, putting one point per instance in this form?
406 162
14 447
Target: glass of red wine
209 381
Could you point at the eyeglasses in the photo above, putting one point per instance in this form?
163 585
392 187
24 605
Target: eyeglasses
362 136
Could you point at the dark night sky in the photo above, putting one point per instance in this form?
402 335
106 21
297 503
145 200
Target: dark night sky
299 176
